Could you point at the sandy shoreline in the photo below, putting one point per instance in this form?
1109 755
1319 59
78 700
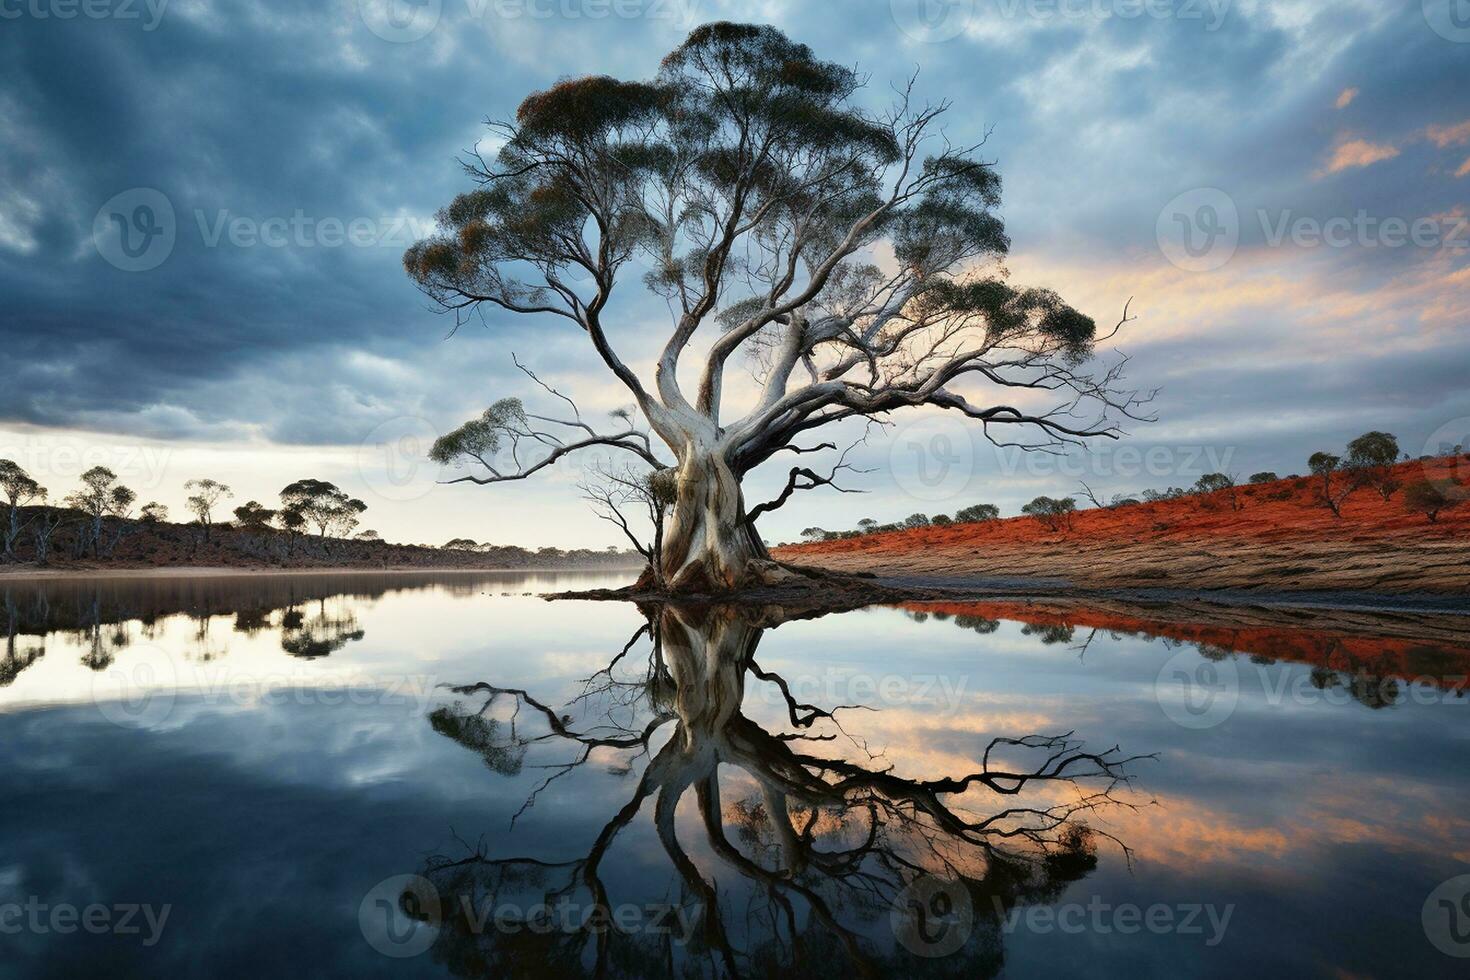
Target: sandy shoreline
901 588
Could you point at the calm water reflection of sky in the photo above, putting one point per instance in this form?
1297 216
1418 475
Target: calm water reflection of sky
258 755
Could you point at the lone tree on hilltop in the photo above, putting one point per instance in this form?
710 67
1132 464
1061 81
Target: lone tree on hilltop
100 496
254 516
977 513
1332 493
324 504
1054 512
1372 456
205 495
1223 483
854 257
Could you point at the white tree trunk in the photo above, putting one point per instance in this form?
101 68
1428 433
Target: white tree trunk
709 546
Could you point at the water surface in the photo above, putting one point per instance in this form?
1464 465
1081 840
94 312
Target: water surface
442 774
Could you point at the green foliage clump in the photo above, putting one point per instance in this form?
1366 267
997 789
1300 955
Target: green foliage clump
1054 512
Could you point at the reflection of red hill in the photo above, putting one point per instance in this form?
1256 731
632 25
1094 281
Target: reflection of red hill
1279 540
1433 648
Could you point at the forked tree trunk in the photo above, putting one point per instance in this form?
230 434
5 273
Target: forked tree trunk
709 546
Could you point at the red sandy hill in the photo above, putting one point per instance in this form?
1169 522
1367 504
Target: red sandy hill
1282 539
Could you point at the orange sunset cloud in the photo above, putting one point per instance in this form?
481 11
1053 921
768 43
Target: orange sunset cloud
1350 154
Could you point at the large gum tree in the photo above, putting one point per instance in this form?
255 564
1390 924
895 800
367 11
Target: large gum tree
852 259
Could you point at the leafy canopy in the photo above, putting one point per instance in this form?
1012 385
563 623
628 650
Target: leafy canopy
856 252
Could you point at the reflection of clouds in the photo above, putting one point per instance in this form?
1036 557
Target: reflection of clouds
1299 801
1219 822
1186 833
1277 796
1381 811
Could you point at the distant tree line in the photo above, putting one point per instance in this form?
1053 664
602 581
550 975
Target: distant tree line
314 520
973 514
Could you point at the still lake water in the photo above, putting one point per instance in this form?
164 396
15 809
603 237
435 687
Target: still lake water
440 775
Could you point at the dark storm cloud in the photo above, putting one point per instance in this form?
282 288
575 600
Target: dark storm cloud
296 175
296 121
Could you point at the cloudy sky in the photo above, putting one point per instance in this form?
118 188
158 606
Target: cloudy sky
1279 185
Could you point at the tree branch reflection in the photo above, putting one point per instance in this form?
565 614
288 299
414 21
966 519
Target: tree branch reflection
789 849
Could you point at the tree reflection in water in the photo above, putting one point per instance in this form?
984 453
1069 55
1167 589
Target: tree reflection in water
321 635
823 859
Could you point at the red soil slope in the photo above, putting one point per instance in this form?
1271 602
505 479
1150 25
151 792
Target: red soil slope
1292 543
